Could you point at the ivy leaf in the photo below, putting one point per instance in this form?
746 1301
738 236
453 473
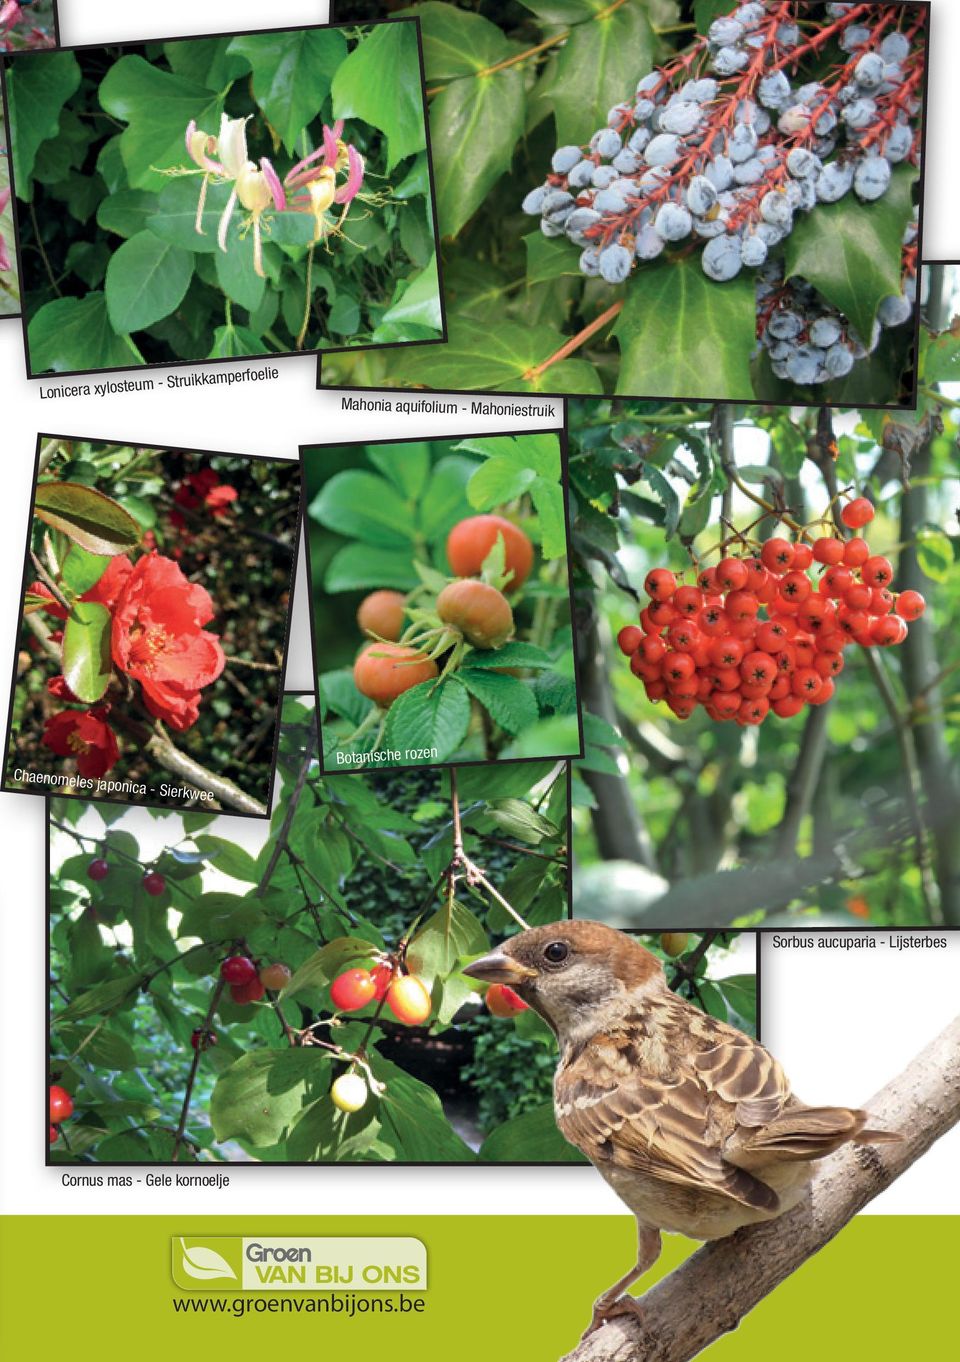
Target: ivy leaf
551 258
474 128
431 716
71 335
509 701
479 356
683 335
157 106
146 281
851 251
292 74
457 42
90 518
37 89
380 83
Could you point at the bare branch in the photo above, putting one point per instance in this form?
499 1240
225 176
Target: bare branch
729 1277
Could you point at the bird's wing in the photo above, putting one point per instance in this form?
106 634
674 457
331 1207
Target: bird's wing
673 1124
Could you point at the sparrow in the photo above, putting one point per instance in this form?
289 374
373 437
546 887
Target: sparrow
690 1121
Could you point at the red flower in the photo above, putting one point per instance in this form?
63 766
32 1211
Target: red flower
86 737
57 686
54 608
108 589
218 500
202 488
158 638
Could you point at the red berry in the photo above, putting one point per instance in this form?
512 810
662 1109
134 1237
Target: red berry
678 667
855 552
469 542
660 584
687 600
829 664
683 637
859 597
795 587
727 652
662 613
910 605
649 671
816 613
788 707
381 976
802 557
824 694
742 605
61 1104
877 572
727 703
98 869
754 711
480 612
250 992
852 622
773 634
732 574
629 640
154 884
807 683
881 601
888 630
857 513
276 976
758 669
408 1000
653 650
501 1001
238 969
54 1134
352 989
757 574
707 581
828 551
201 1040
712 619
777 555
836 582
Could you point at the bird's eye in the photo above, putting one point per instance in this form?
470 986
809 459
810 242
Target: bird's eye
556 952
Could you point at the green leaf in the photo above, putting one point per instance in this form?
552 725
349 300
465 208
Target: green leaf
935 555
94 521
548 499
260 1096
146 280
597 65
498 480
74 334
325 964
81 569
705 11
682 335
221 917
174 218
413 1121
105 1049
235 342
292 74
448 935
667 498
380 83
37 89
407 465
157 105
237 277
431 716
532 1137
550 258
357 567
740 993
419 303
101 998
478 355
510 702
512 655
851 251
128 212
516 817
474 128
343 319
232 859
458 42
445 500
364 506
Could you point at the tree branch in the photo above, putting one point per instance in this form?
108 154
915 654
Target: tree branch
727 1278
804 779
172 759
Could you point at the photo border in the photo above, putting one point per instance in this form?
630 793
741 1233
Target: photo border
147 803
561 432
909 406
227 359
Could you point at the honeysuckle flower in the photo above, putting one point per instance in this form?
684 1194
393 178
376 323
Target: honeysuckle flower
254 189
316 177
84 736
157 637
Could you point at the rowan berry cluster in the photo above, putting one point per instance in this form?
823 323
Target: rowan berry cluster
767 633
729 158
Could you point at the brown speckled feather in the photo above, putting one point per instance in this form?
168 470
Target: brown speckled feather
647 1102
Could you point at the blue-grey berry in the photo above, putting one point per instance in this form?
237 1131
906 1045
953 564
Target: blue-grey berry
603 176
869 71
533 202
649 82
663 150
609 201
565 158
549 228
581 175
839 361
775 208
720 173
557 205
649 244
617 114
860 114
721 258
683 118
701 195
753 252
895 47
615 263
857 35
627 162
673 222
708 228
775 91
579 220
825 332
742 143
895 310
795 119
749 172
872 178
607 142
725 32
639 140
785 324
805 364
643 110
590 261
750 15
729 60
802 163
835 181
788 34
899 143
771 236
702 91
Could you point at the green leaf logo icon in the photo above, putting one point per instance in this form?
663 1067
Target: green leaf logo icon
204 1264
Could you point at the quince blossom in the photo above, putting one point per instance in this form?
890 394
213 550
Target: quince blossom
86 737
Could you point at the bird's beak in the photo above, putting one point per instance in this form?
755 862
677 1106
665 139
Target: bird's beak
499 968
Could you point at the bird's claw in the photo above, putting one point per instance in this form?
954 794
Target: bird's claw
603 1311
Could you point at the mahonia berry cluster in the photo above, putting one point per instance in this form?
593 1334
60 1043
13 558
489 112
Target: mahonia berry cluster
761 634
811 342
724 147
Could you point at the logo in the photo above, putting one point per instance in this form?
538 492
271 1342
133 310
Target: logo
278 1263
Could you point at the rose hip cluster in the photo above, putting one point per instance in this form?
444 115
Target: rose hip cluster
762 634
727 144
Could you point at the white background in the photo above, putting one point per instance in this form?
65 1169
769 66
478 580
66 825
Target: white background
839 1043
